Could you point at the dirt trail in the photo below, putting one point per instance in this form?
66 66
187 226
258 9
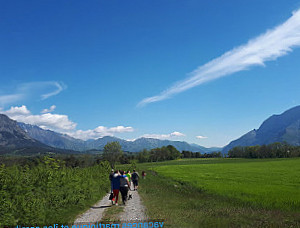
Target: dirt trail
134 210
95 213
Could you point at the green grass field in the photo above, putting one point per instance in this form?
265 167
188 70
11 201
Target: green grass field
271 183
223 192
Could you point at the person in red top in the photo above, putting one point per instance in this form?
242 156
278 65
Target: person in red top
143 174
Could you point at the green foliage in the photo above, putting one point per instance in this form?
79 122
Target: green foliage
189 154
159 154
49 192
112 152
169 152
73 160
274 150
132 165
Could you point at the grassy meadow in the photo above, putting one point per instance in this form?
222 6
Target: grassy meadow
223 192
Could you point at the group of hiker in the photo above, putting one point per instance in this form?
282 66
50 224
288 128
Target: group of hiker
121 182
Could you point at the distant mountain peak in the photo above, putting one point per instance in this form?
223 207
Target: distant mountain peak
284 127
13 137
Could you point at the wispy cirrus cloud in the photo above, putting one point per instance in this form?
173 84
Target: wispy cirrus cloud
59 87
32 90
10 98
269 46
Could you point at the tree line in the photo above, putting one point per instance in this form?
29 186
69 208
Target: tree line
274 150
189 154
171 153
113 153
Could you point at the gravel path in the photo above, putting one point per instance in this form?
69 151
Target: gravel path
134 209
95 213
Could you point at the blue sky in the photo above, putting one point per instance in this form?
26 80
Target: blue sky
95 68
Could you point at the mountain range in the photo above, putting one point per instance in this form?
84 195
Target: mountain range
277 128
63 141
25 137
14 140
16 136
13 137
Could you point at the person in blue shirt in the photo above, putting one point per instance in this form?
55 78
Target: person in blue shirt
116 187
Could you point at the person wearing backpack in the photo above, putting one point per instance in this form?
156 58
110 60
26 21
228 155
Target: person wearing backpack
135 180
124 184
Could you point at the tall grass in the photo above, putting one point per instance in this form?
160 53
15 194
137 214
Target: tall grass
49 193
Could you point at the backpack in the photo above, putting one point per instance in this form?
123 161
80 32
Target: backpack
134 176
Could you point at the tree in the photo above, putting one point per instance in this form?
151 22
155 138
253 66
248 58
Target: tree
186 154
112 153
174 153
143 156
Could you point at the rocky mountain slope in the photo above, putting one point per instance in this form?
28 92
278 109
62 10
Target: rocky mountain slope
277 128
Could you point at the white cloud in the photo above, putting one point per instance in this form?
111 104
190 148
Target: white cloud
51 109
99 132
31 90
61 123
164 136
201 137
176 133
266 47
120 129
50 121
14 111
130 140
84 135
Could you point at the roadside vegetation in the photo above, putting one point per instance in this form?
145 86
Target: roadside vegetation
49 192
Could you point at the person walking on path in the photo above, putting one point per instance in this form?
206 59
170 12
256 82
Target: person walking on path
143 174
124 184
116 187
135 180
128 174
111 175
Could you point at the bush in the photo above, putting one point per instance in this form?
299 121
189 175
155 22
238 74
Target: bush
45 193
